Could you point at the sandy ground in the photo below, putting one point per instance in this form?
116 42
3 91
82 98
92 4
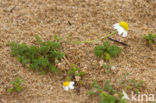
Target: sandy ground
20 20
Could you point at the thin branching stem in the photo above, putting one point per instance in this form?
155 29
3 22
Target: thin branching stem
93 41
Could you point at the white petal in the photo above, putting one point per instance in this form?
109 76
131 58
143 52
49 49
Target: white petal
125 34
66 88
72 83
71 86
117 24
120 31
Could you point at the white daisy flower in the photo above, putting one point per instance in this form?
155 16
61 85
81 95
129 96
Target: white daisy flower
68 85
122 28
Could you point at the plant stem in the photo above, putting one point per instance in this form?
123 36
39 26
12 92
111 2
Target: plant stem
92 41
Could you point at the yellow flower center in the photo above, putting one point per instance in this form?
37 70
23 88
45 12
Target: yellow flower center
66 83
124 25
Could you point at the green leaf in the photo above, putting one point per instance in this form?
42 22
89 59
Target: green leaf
53 69
107 56
43 62
74 70
14 48
44 49
107 98
114 50
34 66
106 44
18 89
80 74
33 50
53 45
106 51
99 50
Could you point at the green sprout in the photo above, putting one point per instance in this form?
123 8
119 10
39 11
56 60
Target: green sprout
150 39
17 85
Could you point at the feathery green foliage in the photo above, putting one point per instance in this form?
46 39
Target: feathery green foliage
17 85
42 56
106 51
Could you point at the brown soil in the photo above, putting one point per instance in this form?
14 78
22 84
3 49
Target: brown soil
20 20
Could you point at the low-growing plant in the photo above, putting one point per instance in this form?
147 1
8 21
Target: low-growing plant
130 84
107 94
42 56
16 85
106 51
150 38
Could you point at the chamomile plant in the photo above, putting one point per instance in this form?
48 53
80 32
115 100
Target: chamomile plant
107 94
130 85
42 56
121 28
16 85
107 51
134 85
